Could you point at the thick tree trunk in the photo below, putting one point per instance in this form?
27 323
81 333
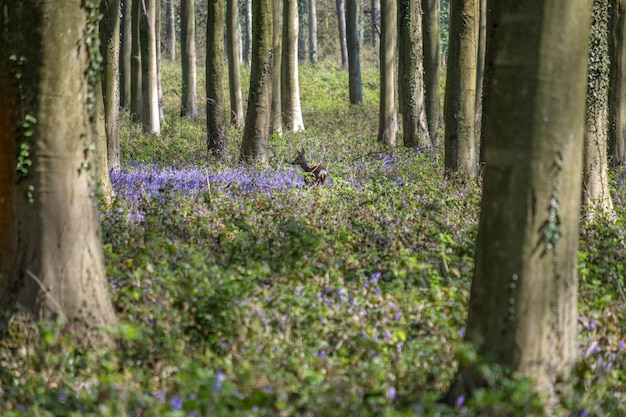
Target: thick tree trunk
189 106
136 102
410 75
617 92
430 20
256 130
523 311
215 102
276 118
596 192
234 76
388 113
355 83
460 145
151 120
110 34
55 267
290 85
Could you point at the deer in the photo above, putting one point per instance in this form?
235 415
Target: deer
320 173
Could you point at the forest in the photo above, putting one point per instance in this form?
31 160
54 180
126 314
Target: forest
312 208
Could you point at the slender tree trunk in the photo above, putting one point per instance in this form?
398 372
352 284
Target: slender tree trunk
430 20
617 92
276 118
256 130
189 106
313 32
157 29
247 49
55 268
523 306
480 61
150 120
290 85
102 160
234 76
355 84
596 192
302 36
375 16
215 102
410 74
341 21
136 103
171 31
125 54
388 114
460 146
110 34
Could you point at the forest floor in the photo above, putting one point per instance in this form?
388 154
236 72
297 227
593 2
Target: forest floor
244 293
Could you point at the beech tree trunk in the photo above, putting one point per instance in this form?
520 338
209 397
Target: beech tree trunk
430 20
341 22
355 83
125 54
189 106
617 92
52 259
136 102
234 76
276 118
170 19
110 49
215 102
388 113
290 85
151 117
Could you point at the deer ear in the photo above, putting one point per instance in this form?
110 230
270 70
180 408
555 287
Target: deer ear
302 151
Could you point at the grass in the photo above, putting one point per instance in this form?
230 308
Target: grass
243 293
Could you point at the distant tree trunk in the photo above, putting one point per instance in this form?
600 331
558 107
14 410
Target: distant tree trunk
52 260
215 102
189 106
247 49
276 118
234 76
375 16
480 61
302 36
410 74
617 92
312 32
355 86
136 87
150 104
290 85
460 146
341 21
125 55
388 113
256 129
596 192
157 30
170 20
110 47
101 156
430 20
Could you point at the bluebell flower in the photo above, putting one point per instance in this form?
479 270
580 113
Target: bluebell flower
176 403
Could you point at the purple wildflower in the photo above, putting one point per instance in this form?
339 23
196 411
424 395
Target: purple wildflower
176 403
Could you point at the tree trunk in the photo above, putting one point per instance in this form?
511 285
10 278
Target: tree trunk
276 118
136 103
102 160
341 21
54 266
480 62
596 192
522 311
430 20
312 32
189 106
410 74
215 103
290 85
355 83
256 130
388 114
302 35
150 120
125 55
234 76
247 49
110 48
170 24
375 16
460 146
617 92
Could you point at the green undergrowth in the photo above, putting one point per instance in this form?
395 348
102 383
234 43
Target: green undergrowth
249 294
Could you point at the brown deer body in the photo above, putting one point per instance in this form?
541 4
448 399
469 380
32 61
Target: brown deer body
319 172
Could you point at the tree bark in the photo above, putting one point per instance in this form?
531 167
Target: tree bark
430 20
341 22
256 130
410 74
617 92
355 83
388 113
375 17
189 106
247 49
523 311
313 32
596 192
215 102
136 103
110 48
125 54
54 268
290 85
276 117
170 25
234 76
460 146
150 121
